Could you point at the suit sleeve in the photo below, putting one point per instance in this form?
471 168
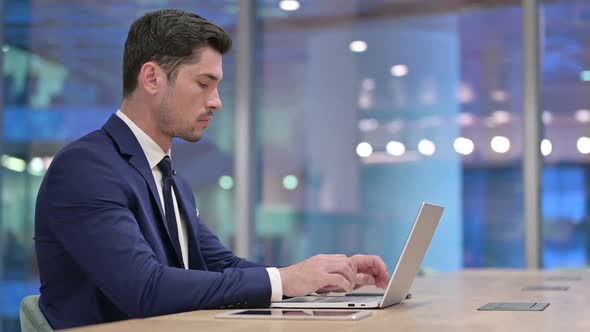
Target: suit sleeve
88 212
216 255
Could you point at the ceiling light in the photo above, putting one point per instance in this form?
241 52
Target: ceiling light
426 147
463 146
501 117
546 147
499 95
366 125
358 46
290 182
368 84
583 145
289 5
500 144
395 148
226 182
399 70
465 119
547 117
465 93
364 149
582 116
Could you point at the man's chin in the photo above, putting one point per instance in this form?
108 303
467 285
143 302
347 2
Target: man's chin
192 138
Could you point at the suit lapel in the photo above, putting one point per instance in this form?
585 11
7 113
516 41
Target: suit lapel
129 146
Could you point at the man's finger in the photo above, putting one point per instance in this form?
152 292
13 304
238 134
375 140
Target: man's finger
374 266
363 279
343 269
333 280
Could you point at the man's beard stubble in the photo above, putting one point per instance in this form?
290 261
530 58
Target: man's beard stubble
167 121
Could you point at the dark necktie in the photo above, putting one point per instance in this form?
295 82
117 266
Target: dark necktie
167 184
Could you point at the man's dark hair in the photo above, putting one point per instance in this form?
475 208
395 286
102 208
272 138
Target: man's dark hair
169 37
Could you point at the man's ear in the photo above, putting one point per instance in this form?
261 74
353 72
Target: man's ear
151 77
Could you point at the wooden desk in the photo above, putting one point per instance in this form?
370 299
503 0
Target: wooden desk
442 303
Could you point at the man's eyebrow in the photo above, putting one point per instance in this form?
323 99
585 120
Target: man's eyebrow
211 77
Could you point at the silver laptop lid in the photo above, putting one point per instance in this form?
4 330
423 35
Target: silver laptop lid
412 254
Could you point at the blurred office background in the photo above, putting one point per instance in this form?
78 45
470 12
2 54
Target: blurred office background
362 109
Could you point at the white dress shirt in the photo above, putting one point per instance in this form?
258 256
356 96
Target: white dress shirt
154 155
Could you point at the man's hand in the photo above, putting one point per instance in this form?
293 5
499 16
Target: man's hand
325 272
371 270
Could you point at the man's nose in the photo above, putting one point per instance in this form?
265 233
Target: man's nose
214 101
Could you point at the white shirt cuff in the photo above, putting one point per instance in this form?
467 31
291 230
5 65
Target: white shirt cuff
276 284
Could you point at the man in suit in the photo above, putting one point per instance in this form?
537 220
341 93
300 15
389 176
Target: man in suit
116 230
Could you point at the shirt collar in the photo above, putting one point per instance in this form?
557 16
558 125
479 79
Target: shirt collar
151 149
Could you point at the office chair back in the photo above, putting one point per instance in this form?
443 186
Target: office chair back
31 317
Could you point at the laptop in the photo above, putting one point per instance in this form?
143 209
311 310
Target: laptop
407 266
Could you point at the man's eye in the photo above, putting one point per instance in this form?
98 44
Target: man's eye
203 85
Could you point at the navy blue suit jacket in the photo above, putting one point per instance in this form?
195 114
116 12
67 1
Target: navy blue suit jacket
102 245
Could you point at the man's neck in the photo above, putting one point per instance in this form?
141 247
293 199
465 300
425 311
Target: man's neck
146 121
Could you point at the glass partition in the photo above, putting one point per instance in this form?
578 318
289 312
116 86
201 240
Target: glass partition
566 147
367 108
62 79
